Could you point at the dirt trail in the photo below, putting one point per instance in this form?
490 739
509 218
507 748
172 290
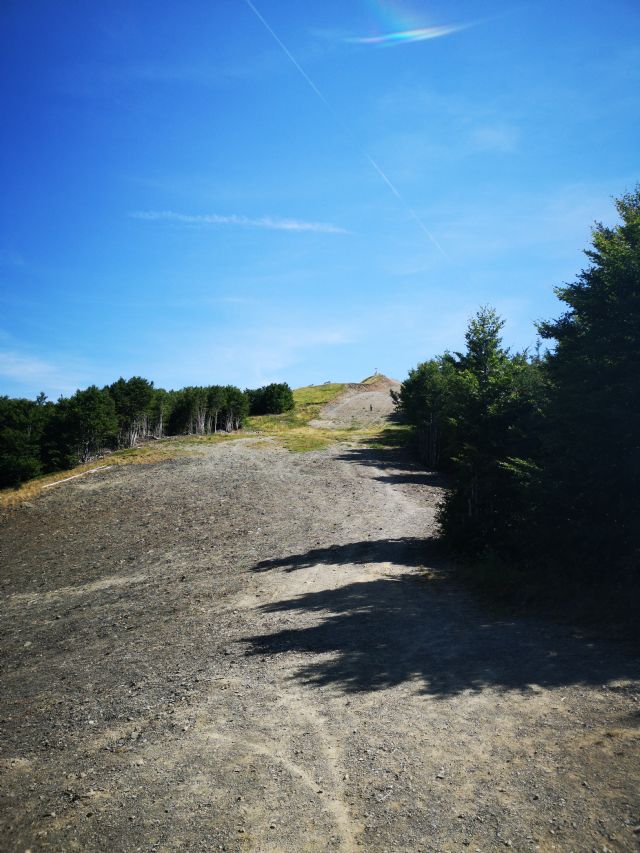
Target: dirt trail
360 405
257 650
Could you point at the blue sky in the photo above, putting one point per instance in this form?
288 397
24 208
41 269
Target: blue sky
180 203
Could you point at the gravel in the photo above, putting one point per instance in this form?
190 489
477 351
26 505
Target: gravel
257 650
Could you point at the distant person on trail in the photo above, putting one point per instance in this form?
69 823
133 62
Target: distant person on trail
370 407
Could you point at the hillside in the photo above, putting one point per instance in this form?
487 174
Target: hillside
301 429
243 648
362 405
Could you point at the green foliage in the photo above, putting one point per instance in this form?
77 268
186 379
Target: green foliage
79 427
132 398
21 426
475 415
38 437
159 412
236 409
543 454
593 435
198 410
271 399
495 403
426 399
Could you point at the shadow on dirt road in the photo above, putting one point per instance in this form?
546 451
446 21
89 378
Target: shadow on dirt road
409 626
407 551
396 464
405 628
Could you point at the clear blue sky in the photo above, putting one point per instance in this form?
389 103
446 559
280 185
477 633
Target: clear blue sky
178 202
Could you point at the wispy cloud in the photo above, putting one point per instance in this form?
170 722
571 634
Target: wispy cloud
266 222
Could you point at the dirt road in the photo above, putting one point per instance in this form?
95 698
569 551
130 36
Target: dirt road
257 650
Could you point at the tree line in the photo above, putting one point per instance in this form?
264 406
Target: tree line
39 436
543 450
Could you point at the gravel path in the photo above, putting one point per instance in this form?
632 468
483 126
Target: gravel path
257 650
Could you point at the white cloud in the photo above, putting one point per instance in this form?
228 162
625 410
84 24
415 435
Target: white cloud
267 222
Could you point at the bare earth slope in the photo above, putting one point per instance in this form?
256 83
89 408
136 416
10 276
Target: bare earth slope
256 650
360 405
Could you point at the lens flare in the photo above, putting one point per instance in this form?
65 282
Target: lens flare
396 22
422 34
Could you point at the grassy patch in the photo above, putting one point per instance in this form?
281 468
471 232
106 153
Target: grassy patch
308 403
391 437
304 439
317 395
292 430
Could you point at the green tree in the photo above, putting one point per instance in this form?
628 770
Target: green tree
273 399
278 398
425 400
159 411
133 398
21 426
80 427
494 403
216 402
236 408
593 438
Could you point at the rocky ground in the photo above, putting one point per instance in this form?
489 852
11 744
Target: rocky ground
257 650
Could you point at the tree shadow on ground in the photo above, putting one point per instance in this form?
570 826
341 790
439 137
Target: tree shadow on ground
407 627
404 552
398 465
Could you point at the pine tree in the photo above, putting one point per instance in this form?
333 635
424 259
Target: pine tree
593 454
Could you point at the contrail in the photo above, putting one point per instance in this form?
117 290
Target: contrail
341 123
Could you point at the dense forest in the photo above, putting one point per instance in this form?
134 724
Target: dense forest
38 436
543 450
